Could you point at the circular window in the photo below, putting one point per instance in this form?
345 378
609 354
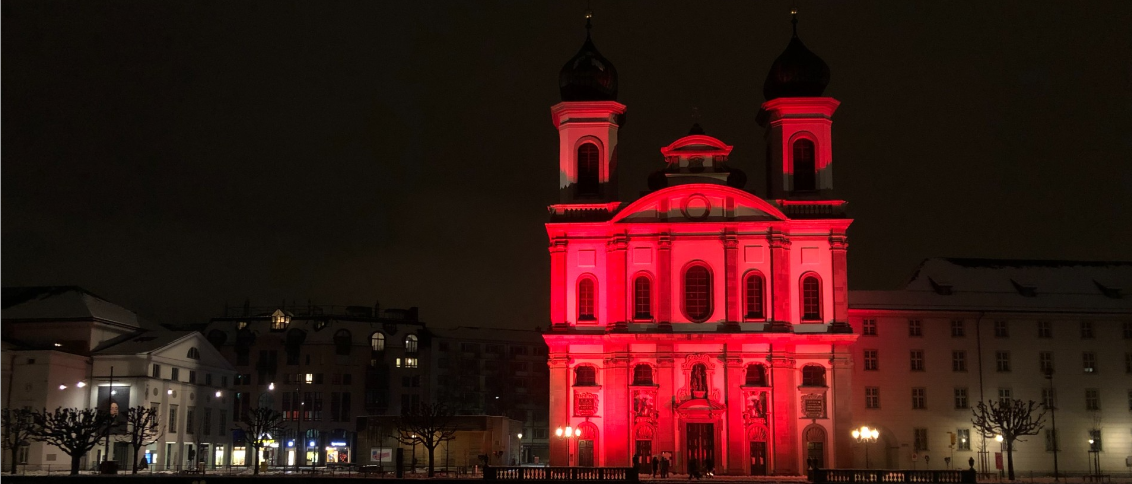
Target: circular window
697 207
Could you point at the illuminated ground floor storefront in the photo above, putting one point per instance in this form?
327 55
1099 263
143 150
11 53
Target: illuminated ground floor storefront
737 403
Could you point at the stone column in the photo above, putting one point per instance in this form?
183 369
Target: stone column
560 405
664 279
616 249
782 284
786 453
614 443
558 281
730 271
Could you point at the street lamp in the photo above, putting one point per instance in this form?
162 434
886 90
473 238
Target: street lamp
414 460
568 433
520 436
865 435
998 438
1096 456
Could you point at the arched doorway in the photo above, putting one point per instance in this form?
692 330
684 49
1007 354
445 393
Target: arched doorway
758 450
814 440
587 445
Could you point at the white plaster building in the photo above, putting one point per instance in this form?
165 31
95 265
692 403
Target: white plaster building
969 330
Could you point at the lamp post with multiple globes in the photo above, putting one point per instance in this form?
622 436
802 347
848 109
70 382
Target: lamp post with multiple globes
865 435
568 433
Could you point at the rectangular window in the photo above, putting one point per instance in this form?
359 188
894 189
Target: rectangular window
1049 398
964 439
869 327
208 379
1044 329
192 377
957 328
1089 361
172 419
919 399
1000 330
919 439
871 363
335 407
1086 329
410 362
917 360
156 409
206 421
1005 396
872 397
958 360
1095 440
156 371
189 423
469 347
493 349
1002 361
223 427
915 328
175 374
1045 361
346 406
1092 399
1051 440
961 398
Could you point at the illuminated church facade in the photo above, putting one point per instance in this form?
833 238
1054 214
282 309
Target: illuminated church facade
700 322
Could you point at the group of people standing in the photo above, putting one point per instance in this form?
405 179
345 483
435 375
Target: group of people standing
660 465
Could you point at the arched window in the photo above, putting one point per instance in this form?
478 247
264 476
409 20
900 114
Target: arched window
753 301
756 375
589 177
642 374
194 353
642 298
585 376
586 299
377 342
813 376
697 293
342 342
805 171
411 344
811 298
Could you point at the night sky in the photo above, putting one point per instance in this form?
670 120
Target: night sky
175 156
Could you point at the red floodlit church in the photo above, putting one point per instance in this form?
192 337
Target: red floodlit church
700 321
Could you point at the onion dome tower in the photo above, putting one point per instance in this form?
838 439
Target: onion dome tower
587 120
798 121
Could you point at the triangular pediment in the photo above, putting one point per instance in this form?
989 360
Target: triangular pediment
701 202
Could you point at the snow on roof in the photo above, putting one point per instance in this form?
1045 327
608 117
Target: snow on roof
55 303
964 284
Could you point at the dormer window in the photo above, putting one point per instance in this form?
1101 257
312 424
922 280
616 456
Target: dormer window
805 170
280 320
589 170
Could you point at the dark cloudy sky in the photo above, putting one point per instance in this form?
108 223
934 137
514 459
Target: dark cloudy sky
174 156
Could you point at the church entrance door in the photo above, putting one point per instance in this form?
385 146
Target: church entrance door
701 445
758 458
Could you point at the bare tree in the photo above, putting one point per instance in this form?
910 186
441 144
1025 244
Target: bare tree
72 430
259 425
18 431
1011 419
142 429
428 425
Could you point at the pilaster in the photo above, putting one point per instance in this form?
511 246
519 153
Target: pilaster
616 416
558 281
560 397
787 452
732 297
617 315
664 280
782 288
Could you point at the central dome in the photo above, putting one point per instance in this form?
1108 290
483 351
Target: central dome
588 76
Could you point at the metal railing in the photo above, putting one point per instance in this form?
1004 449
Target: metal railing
520 473
822 476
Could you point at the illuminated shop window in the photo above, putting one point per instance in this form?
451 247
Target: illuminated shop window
754 297
811 298
697 293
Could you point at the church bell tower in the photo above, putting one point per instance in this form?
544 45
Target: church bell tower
798 122
587 120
